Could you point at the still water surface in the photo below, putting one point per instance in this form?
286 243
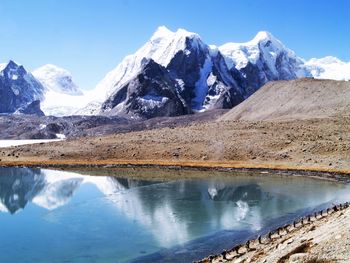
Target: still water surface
55 216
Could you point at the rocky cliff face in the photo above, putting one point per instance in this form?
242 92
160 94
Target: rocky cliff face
32 108
18 88
152 93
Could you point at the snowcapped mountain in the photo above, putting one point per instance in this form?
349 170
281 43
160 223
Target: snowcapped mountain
199 74
173 73
57 79
328 68
205 77
262 59
61 96
161 48
18 88
49 88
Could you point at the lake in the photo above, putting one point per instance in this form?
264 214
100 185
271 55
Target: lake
57 216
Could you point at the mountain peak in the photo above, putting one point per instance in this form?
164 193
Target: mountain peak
185 33
9 65
50 69
267 37
263 35
163 32
57 79
11 68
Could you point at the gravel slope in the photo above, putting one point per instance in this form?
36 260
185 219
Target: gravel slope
296 99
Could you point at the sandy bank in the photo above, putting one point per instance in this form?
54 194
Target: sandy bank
321 237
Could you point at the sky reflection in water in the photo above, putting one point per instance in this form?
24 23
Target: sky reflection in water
55 216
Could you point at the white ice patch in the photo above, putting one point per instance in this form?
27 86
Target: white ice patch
60 136
211 79
187 52
2 66
152 101
15 90
10 143
201 87
60 104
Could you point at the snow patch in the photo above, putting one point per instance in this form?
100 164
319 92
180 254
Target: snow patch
10 143
201 86
60 136
328 68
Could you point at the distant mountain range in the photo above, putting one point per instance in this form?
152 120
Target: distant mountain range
174 73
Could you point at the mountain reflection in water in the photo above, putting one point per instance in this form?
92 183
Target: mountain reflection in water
148 216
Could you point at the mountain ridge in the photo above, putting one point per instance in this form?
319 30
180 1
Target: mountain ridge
251 64
205 76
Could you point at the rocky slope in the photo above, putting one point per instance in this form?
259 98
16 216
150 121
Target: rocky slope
296 99
17 126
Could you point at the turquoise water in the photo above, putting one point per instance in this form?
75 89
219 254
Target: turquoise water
54 216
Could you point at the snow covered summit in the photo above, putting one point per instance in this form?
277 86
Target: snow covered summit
204 76
57 79
61 96
328 68
162 47
189 63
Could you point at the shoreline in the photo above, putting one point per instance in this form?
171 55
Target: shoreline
335 175
254 250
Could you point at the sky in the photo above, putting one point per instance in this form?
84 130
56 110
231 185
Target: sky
90 37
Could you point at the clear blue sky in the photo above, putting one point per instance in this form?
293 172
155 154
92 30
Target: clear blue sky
90 37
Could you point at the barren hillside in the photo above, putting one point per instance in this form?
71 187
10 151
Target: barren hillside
296 99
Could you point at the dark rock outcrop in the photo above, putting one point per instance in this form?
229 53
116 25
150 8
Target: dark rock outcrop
31 109
18 88
152 93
